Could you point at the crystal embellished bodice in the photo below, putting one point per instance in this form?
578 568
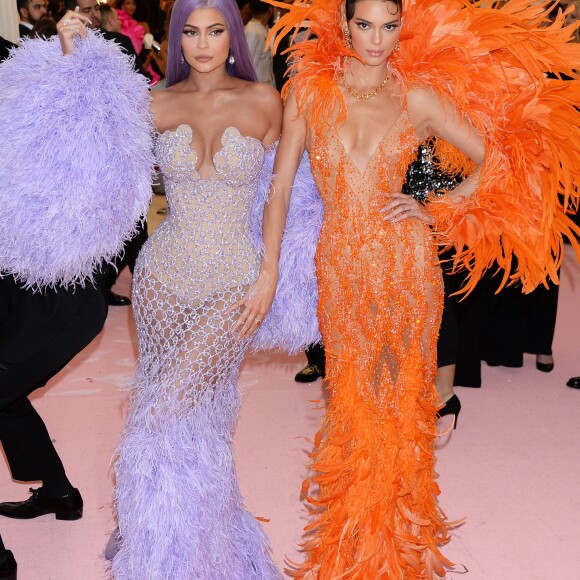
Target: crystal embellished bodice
204 244
376 278
355 189
176 487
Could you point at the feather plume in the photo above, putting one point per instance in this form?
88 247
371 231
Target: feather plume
76 173
490 62
179 508
291 324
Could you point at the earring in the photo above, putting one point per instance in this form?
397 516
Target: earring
347 40
231 60
397 46
182 59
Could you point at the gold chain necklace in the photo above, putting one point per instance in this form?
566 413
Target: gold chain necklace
359 96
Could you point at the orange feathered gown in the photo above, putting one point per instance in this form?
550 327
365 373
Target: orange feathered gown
374 495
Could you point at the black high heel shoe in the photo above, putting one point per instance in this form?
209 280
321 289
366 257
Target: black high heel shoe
544 367
452 407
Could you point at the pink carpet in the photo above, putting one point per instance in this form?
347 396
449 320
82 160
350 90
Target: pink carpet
512 468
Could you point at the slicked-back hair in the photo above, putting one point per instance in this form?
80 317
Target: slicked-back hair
349 7
22 4
70 4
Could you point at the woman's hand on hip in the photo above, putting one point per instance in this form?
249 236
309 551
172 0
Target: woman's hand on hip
257 303
69 26
402 207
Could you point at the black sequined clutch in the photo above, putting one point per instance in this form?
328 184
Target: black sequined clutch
423 177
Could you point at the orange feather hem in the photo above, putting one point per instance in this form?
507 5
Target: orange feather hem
374 495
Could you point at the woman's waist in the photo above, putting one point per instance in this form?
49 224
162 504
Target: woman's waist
197 271
192 247
371 223
201 227
341 236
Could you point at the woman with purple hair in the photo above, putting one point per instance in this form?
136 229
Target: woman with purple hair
200 292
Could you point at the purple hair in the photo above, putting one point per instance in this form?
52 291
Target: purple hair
242 67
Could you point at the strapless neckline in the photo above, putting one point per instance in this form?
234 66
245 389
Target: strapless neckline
187 130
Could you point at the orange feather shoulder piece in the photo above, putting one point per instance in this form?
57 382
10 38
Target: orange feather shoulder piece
315 64
491 62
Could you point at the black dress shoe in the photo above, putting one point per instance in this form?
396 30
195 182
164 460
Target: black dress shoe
574 382
8 566
68 507
117 300
545 367
309 374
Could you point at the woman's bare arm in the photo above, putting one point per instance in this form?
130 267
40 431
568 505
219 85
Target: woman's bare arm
433 117
290 150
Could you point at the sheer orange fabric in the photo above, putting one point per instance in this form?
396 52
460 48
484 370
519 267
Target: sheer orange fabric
375 512
380 301
490 62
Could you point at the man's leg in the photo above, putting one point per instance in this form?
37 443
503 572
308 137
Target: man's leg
27 444
29 448
7 563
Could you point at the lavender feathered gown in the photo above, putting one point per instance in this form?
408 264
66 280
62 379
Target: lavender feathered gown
179 507
85 120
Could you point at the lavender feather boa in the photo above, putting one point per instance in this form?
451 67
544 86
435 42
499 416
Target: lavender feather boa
291 324
76 172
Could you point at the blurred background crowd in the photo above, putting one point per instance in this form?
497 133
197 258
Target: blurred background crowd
139 26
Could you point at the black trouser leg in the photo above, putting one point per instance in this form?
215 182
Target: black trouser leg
7 563
128 256
316 356
27 444
470 312
540 308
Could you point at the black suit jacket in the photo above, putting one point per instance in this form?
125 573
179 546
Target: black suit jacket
127 46
5 46
23 30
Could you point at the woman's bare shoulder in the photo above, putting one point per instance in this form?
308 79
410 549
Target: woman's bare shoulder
263 96
422 104
263 104
164 102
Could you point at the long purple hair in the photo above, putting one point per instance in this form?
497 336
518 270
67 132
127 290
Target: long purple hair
242 67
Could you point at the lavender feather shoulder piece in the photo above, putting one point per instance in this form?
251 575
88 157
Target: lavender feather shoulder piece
292 324
76 170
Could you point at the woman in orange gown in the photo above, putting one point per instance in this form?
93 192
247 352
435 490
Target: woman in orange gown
361 117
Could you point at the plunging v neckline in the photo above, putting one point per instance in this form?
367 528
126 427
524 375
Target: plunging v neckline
375 152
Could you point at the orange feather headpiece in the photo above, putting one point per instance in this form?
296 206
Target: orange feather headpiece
491 63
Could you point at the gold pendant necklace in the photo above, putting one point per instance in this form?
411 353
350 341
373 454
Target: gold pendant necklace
359 96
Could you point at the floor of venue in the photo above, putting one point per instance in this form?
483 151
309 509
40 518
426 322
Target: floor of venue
511 469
